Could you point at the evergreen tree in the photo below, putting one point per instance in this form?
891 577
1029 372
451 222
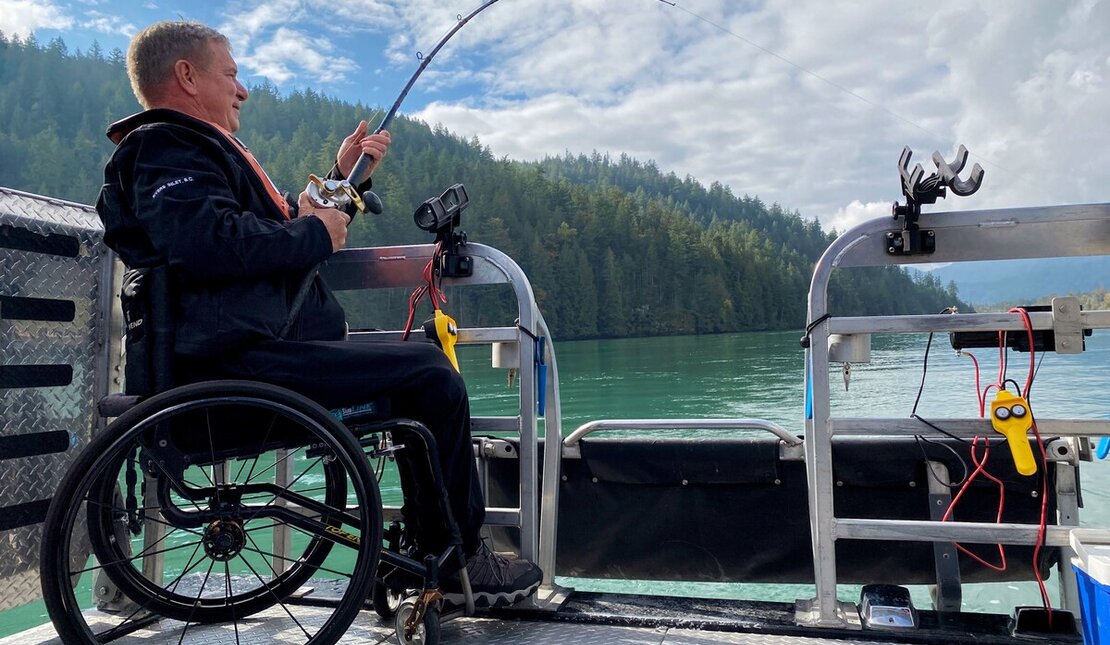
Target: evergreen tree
613 247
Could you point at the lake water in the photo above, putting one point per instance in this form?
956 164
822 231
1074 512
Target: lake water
760 375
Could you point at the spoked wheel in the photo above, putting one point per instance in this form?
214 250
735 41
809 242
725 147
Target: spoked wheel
210 503
424 632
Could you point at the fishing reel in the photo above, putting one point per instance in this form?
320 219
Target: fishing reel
442 215
336 193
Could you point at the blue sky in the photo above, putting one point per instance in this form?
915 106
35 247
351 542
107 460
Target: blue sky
806 103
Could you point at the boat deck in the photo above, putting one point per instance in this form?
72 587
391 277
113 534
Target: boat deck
590 618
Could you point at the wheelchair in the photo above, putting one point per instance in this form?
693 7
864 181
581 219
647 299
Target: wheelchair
234 505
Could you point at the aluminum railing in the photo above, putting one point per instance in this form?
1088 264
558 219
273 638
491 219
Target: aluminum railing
1061 231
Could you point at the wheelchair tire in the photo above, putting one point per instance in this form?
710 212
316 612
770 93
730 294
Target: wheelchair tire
386 601
426 633
220 515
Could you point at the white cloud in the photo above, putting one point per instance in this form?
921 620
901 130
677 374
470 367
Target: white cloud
1023 87
856 213
306 55
21 17
805 103
289 54
104 23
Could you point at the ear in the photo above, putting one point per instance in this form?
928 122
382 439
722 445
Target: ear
185 74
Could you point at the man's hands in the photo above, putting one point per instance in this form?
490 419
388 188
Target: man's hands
357 143
334 220
354 145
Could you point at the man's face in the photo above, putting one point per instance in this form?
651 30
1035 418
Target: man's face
221 93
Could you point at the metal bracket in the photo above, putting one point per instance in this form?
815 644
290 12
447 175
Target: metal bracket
947 593
1066 325
910 240
807 613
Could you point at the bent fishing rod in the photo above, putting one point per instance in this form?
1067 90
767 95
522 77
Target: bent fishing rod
334 193
331 193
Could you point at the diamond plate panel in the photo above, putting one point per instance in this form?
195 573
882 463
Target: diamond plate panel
267 627
80 344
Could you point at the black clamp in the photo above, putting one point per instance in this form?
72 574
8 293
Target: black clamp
442 215
919 189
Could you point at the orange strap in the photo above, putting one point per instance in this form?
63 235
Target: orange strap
271 189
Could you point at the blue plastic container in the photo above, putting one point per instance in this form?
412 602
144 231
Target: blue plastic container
1094 608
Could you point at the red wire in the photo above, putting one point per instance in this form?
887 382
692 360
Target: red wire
1043 525
980 465
434 293
1032 358
979 396
980 468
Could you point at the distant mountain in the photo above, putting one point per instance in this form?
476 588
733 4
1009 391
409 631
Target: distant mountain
1028 281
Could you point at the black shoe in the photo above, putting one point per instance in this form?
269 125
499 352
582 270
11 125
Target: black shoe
496 579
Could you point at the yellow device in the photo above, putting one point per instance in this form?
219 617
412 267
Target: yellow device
1010 415
442 330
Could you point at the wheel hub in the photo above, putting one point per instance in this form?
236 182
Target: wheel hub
224 539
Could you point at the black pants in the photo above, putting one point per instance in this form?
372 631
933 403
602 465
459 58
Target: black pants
420 383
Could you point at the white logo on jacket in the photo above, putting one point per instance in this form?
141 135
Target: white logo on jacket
171 184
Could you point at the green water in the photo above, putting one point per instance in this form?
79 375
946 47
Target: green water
760 375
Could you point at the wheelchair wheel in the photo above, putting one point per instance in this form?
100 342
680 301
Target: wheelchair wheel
386 601
211 503
425 632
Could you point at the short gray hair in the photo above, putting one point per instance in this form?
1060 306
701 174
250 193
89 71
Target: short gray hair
154 51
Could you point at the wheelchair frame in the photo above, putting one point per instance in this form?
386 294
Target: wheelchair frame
492 267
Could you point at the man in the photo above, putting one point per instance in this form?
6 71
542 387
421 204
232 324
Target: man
181 191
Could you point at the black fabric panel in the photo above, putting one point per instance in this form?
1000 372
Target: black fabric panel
21 239
737 528
13 517
676 459
14 376
35 443
17 308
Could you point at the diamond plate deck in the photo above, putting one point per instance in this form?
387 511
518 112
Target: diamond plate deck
462 631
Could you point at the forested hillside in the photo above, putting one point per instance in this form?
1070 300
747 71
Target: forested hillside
613 247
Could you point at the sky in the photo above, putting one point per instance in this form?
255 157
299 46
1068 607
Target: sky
804 103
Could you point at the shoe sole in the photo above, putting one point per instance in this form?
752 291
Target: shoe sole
487 600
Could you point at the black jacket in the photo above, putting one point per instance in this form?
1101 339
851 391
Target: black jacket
176 192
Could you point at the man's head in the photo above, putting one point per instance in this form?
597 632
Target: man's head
188 67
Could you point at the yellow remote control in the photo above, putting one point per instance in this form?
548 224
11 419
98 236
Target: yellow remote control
1010 416
443 330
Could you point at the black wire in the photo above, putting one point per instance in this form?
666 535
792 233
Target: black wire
925 364
959 457
1036 371
1017 388
924 371
804 341
942 430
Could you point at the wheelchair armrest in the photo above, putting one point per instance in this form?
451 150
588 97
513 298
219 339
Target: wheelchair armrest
114 405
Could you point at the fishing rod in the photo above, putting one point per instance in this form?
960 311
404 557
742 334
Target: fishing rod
334 193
